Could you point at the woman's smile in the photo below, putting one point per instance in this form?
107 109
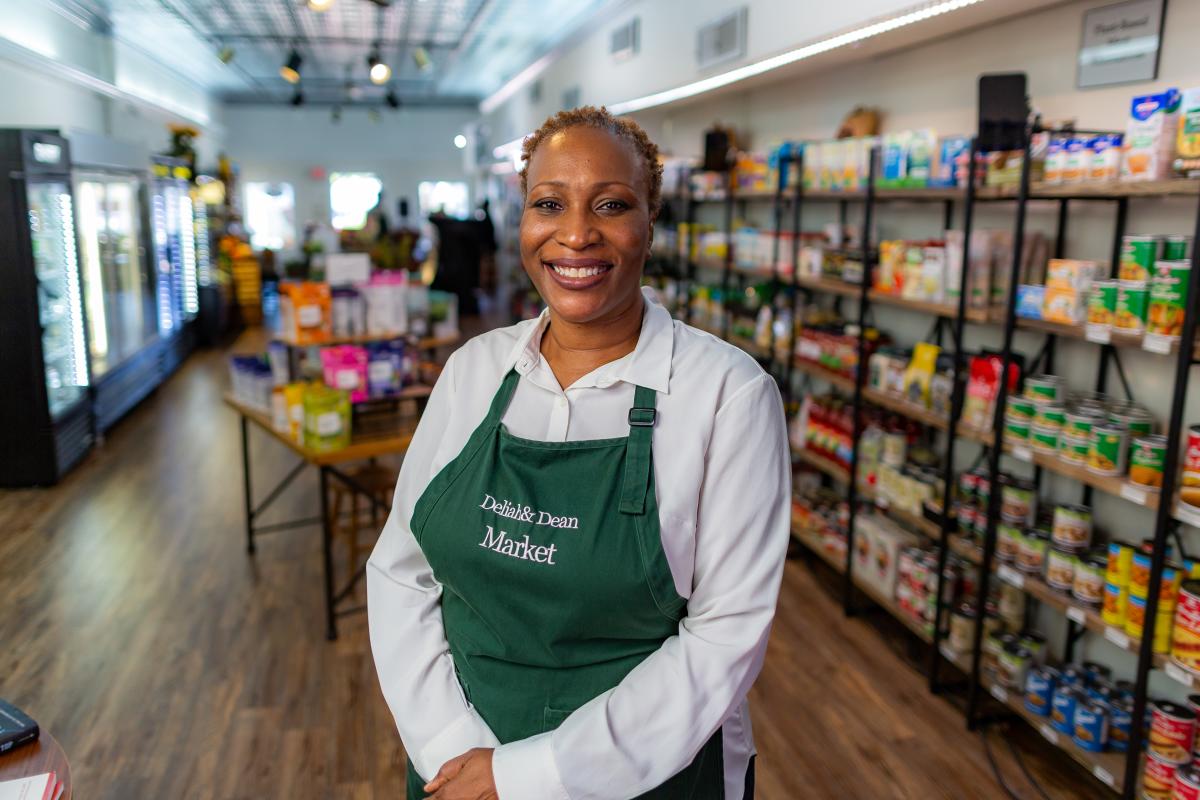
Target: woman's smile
578 274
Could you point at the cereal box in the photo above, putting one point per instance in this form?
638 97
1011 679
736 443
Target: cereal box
1150 136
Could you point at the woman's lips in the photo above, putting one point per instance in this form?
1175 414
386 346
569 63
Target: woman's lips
578 273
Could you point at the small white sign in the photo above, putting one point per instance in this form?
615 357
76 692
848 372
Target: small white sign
1178 673
1120 43
345 269
1048 733
1022 453
1157 343
1011 576
1103 775
1077 615
329 424
1134 494
1117 637
1100 334
1000 693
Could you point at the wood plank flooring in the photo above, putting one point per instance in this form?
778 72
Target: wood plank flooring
169 664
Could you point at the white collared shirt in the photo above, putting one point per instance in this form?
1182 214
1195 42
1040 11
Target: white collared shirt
722 477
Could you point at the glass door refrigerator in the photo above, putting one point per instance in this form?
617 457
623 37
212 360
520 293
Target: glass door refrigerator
45 410
174 244
118 280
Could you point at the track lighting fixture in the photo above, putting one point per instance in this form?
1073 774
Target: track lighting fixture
380 72
298 97
392 100
290 71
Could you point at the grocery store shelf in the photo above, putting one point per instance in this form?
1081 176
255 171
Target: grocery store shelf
1116 485
920 524
822 464
926 307
843 382
906 408
828 285
429 343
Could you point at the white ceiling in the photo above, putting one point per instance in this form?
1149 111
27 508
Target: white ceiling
475 46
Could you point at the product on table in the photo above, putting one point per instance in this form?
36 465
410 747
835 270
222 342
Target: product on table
1109 449
1072 528
1150 136
1187 136
1158 777
1147 461
1172 732
345 367
305 313
293 400
1185 644
386 368
1168 298
1138 255
326 418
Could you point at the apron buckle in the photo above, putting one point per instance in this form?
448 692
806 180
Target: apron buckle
642 417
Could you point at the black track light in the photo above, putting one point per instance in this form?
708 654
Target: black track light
298 97
290 71
392 100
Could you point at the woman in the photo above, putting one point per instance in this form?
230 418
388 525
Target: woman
573 593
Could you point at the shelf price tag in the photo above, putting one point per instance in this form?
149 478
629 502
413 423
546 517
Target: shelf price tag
1100 334
1048 733
1010 576
1103 775
1000 693
1022 453
1117 637
1157 343
1188 515
1134 494
1077 615
1177 673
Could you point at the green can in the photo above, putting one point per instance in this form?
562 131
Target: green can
1168 298
1050 415
1021 408
1147 461
1044 388
1108 450
1102 303
1044 439
1136 419
1138 254
1177 248
1080 422
1016 429
1008 541
1132 299
1074 449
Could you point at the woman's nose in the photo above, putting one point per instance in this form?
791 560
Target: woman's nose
577 229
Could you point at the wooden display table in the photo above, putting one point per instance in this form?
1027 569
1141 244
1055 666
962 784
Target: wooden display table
44 755
328 464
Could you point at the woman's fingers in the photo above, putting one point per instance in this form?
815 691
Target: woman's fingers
448 771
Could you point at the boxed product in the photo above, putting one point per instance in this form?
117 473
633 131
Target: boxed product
1105 161
1187 137
386 299
326 418
1150 136
922 148
1030 301
878 542
895 159
1076 160
933 272
811 176
980 275
387 372
1069 273
919 374
345 367
1056 156
1064 304
305 312
950 150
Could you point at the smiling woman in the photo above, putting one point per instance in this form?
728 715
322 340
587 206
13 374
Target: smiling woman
606 652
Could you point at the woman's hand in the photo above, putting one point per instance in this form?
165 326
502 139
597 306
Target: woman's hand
467 777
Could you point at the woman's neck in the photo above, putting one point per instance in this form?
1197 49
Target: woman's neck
573 350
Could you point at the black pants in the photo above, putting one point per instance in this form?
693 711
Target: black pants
749 795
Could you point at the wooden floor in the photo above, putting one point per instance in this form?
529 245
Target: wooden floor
169 664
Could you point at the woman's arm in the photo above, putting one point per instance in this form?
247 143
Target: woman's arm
404 610
651 725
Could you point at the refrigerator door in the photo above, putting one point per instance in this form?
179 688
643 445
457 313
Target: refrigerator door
165 218
189 299
117 290
60 307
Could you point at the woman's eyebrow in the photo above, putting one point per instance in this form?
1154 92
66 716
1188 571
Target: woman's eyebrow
597 185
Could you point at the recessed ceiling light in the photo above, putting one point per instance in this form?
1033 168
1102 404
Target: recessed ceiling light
460 142
290 71
320 5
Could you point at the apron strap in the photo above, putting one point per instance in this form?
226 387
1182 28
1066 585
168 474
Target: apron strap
502 397
637 451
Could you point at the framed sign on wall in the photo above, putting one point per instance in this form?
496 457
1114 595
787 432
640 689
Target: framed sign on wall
1120 43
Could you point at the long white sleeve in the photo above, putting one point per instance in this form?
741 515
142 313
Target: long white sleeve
651 725
412 658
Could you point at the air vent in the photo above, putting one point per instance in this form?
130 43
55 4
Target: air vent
535 92
722 40
570 98
626 40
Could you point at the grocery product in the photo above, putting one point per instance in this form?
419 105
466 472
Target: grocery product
1016 429
326 418
1132 417
1045 388
1102 305
1177 248
1150 136
1187 783
1072 527
1021 408
1158 777
1044 439
1120 721
1132 300
1168 298
1031 301
1120 563
1138 254
1060 569
950 150
1050 415
305 312
1018 502
1008 541
1109 449
1116 600
1062 707
920 371
1187 136
1063 305
1172 732
1147 461
1105 160
1031 556
1088 585
1189 482
1014 665
1185 644
1076 160
1091 726
1135 624
1074 449
1056 157
962 628
389 368
1039 690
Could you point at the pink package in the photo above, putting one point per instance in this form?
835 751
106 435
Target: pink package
345 367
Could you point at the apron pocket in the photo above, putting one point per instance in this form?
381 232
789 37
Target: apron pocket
552 718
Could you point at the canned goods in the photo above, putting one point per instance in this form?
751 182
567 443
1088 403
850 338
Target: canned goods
1120 563
1062 708
1135 418
1016 429
968 483
966 519
962 628
1050 415
1189 482
1187 783
1039 690
1008 541
1135 624
1018 502
1102 303
1158 777
1088 587
1091 726
1073 675
1177 248
1035 643
1074 449
1080 421
1139 575
1102 691
1094 672
1108 449
1138 254
1147 460
1116 600
1185 647
1172 732
1021 408
1014 665
1072 528
1132 300
895 449
1120 724
1031 557
1168 298
1043 439
1060 569
994 641
1044 388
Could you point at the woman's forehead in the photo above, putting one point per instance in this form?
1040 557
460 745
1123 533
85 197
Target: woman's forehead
588 147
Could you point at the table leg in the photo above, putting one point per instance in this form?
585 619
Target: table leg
246 485
327 552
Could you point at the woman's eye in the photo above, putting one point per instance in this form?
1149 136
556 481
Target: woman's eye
614 205
548 205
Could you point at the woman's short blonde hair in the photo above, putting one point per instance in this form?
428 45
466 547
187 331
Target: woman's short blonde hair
600 118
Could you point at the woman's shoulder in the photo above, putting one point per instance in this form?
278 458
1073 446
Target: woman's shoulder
701 356
490 350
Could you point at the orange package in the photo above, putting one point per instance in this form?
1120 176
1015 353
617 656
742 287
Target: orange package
305 312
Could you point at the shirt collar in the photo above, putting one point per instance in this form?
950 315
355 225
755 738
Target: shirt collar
648 365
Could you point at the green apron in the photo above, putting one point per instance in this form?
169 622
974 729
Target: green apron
555 583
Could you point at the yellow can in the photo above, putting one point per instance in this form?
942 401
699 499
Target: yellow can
1135 624
1116 602
1120 563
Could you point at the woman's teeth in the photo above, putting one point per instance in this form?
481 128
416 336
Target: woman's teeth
577 272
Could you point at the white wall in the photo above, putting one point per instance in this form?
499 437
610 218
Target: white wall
404 148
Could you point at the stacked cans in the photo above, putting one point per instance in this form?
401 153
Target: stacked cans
1170 749
1083 703
1153 282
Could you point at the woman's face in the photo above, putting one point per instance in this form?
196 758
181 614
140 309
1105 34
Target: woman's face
586 228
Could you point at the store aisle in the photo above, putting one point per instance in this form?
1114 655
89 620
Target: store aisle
169 664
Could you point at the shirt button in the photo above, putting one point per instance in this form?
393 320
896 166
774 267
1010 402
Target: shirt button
562 402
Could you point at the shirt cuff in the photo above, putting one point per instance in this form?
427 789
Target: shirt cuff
467 731
526 770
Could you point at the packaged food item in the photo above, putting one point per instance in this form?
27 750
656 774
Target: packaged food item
386 371
1187 783
1015 661
1045 388
1158 777
1109 450
895 159
1189 482
1150 136
1120 563
1132 300
1039 690
1147 460
1056 157
305 312
1070 273
1077 162
1018 503
1020 407
1044 439
1177 248
983 383
918 376
1116 601
1062 707
1008 541
922 147
1073 449
1091 726
1072 527
1138 254
1031 557
1168 298
1172 732
1088 586
1102 306
1016 429
326 418
1030 301
950 150
1050 415
1060 569
293 399
1105 161
345 367
1185 644
1187 136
